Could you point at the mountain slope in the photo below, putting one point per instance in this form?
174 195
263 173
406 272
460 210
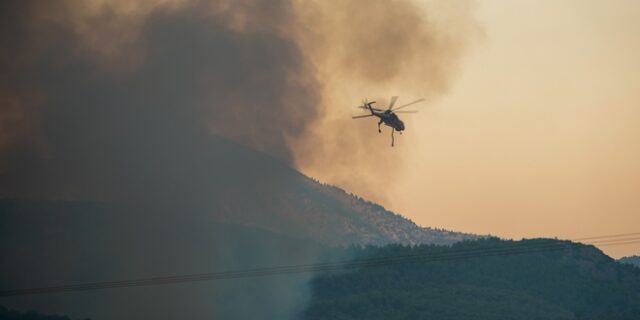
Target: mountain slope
391 227
233 208
576 283
233 184
285 201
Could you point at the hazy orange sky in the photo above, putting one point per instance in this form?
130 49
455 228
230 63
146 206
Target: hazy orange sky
538 133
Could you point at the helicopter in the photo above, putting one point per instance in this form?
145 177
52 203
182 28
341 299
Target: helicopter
388 116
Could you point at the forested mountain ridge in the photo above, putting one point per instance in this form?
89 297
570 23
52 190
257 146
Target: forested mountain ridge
634 260
578 282
484 279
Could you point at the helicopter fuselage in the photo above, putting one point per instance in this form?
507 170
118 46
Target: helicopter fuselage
388 116
390 119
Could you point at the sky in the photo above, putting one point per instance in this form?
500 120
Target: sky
537 134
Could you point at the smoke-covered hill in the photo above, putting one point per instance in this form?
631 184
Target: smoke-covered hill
380 226
243 209
255 190
237 185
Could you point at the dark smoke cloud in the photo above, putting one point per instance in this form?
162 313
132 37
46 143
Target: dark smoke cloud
126 105
124 101
73 125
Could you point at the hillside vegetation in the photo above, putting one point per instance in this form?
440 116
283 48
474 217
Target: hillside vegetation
634 260
7 314
579 282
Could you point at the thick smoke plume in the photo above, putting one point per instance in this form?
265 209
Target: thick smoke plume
92 89
120 101
83 110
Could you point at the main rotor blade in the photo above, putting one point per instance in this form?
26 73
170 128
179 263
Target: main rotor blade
406 111
392 102
366 108
364 116
408 104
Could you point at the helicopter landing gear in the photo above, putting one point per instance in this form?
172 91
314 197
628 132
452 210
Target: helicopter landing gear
392 130
379 123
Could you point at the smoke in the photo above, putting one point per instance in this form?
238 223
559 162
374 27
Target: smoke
87 87
374 50
82 110
123 102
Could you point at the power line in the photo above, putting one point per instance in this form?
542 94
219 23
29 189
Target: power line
541 245
607 236
500 250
